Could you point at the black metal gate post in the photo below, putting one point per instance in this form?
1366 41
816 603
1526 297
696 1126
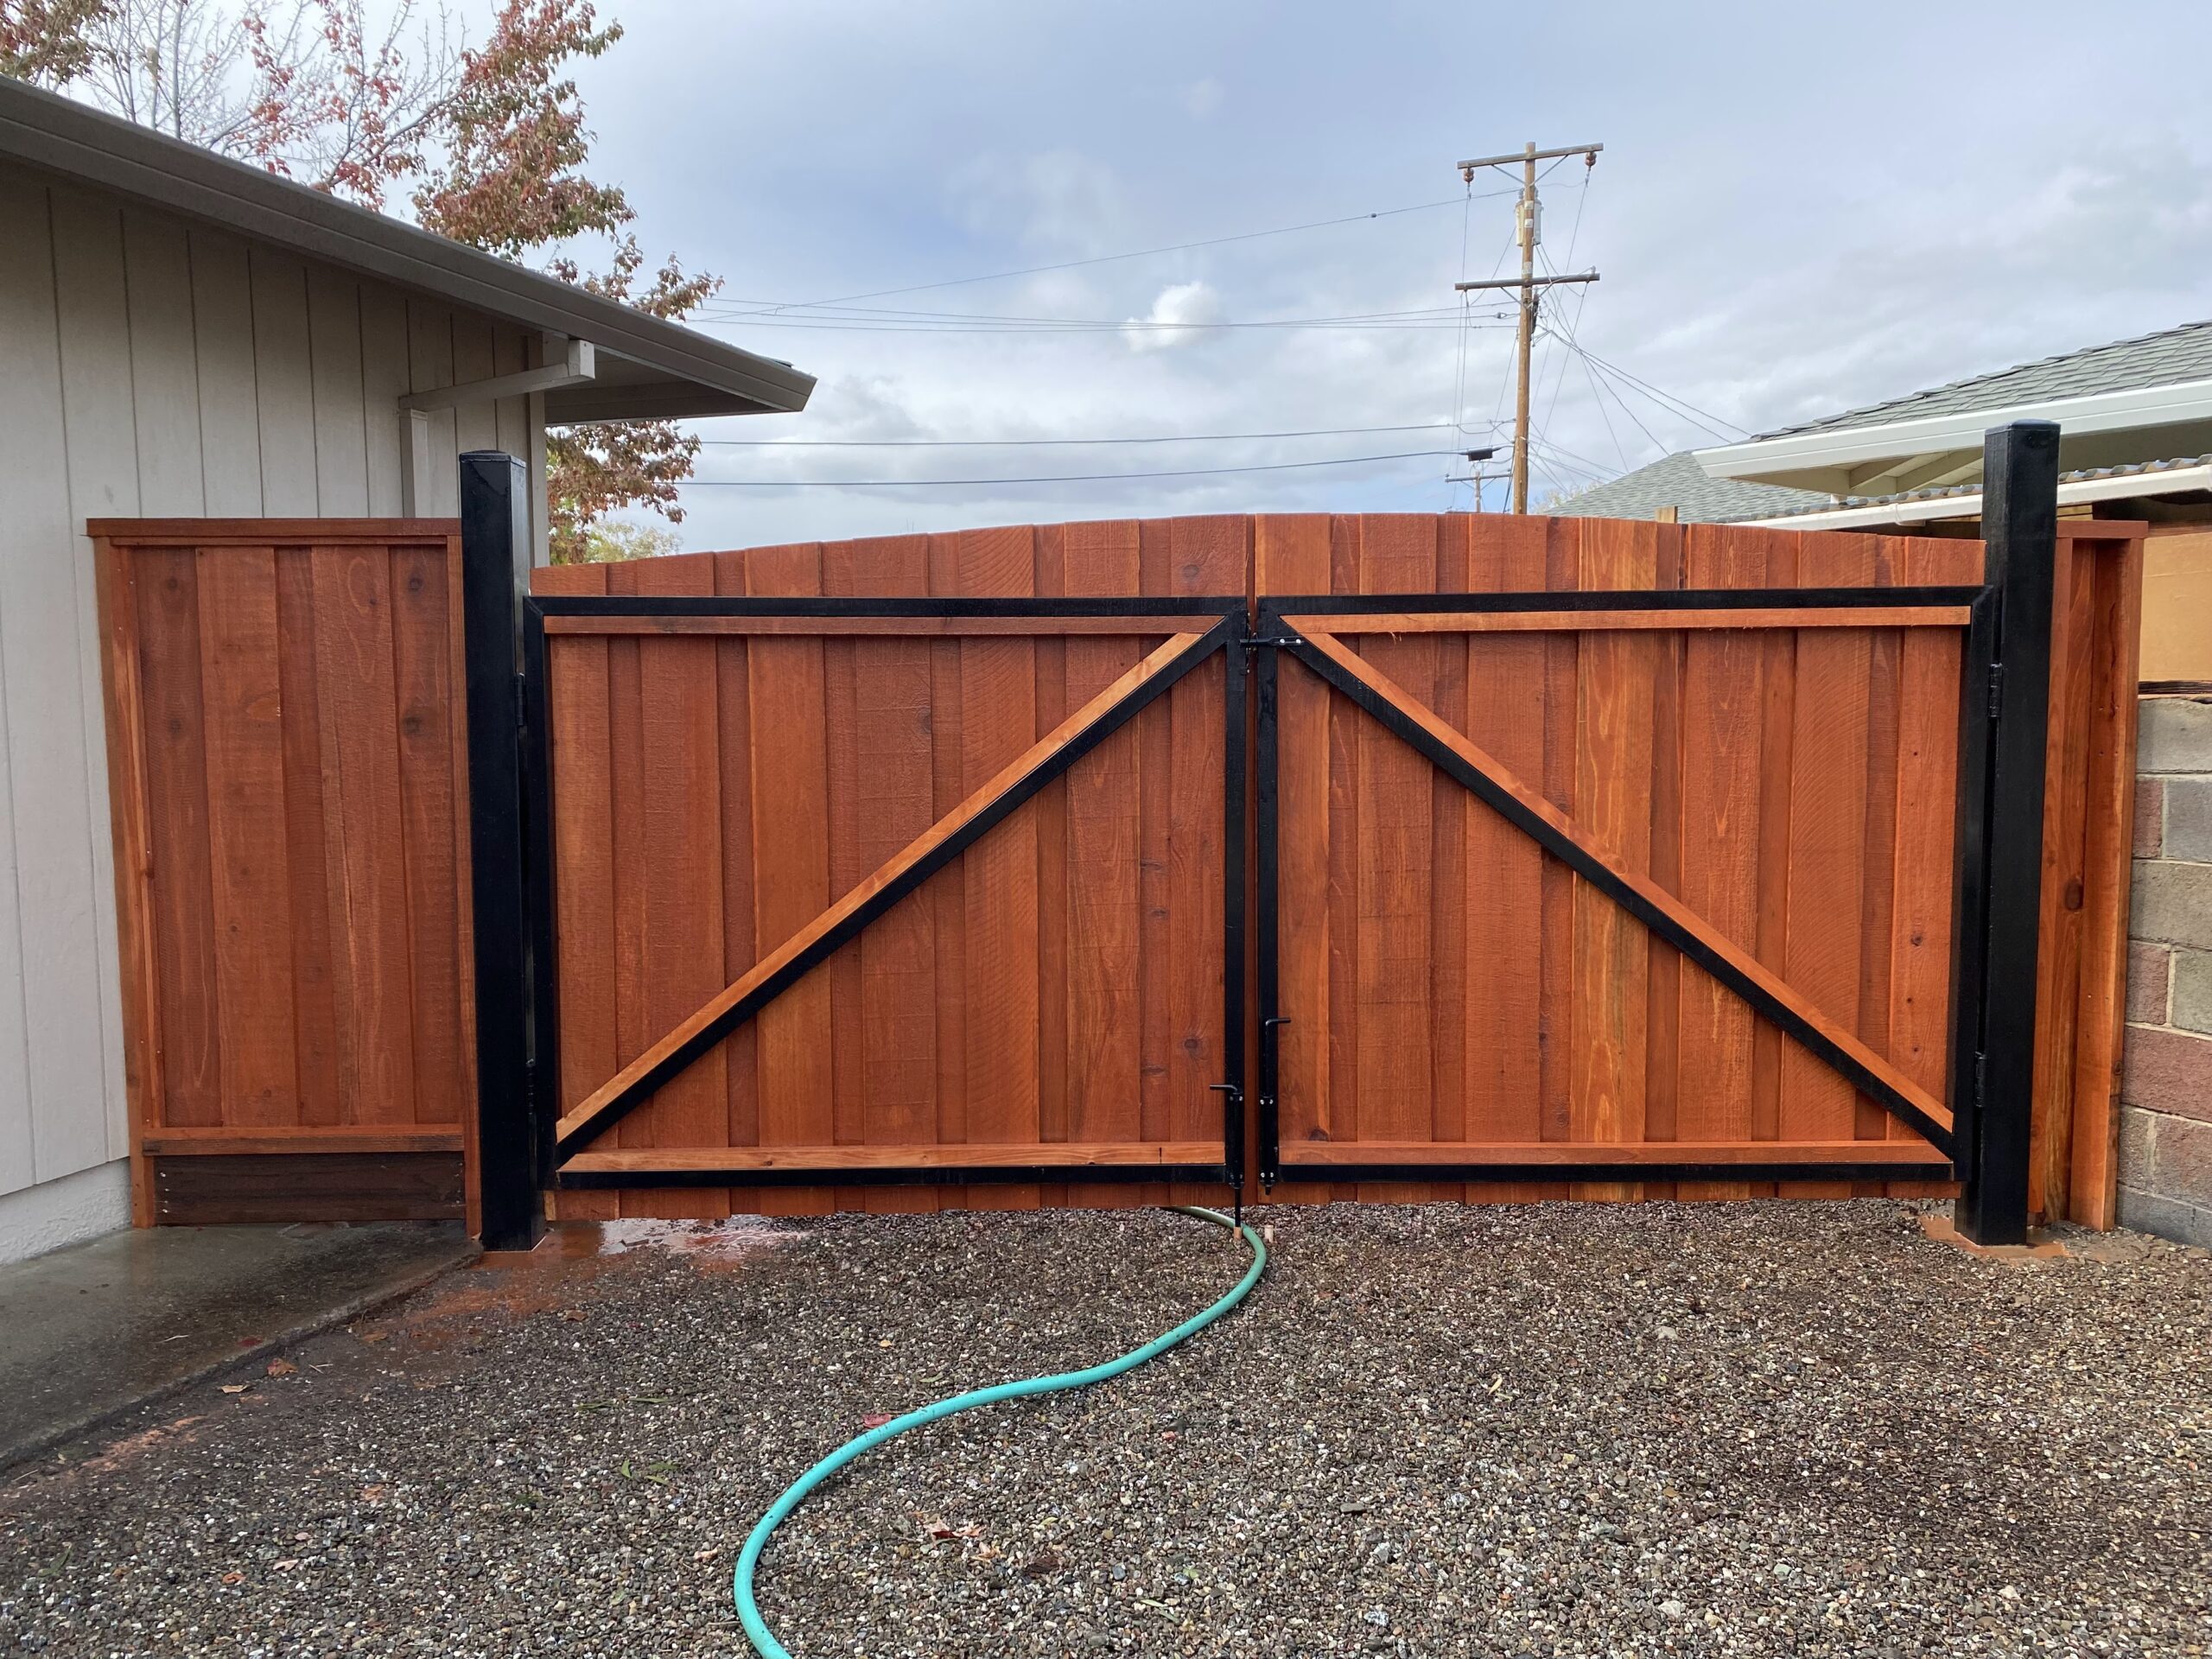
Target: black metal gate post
2019 522
494 562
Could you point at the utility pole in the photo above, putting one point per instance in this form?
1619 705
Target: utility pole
1526 222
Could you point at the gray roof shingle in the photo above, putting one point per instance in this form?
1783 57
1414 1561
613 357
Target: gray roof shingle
1678 481
2167 357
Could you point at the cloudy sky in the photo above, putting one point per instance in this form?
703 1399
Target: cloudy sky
1791 215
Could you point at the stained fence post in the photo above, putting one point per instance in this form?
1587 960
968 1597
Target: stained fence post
2020 531
495 560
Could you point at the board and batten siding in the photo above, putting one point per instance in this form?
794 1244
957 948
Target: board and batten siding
153 368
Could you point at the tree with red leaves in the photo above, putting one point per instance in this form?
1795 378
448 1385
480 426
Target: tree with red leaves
488 143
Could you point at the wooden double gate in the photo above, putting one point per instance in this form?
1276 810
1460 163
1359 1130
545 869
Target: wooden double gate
1511 852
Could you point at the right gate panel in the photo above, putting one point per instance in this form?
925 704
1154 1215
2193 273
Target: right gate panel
1456 996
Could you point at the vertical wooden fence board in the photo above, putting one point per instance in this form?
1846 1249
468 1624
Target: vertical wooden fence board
325 1083
1555 965
1449 918
579 709
1208 556
998 720
1778 772
841 831
1396 798
430 801
1054 839
627 808
791 866
948 893
1723 697
1102 816
1611 952
356 700
1662 1018
1155 778
2108 841
680 845
897 954
741 915
2065 827
249 868
1503 929
1878 838
168 585
1829 746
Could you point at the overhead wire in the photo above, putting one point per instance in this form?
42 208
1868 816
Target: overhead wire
1137 253
1012 443
1064 477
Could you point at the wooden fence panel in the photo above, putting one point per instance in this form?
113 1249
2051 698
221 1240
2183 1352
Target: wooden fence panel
1058 983
1734 767
289 780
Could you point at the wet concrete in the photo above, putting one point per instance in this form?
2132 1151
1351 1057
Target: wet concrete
93 1330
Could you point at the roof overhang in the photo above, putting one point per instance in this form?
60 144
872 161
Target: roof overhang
2083 491
645 367
2100 430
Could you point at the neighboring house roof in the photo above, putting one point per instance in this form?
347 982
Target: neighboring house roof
2184 475
645 367
1679 482
2122 404
2167 357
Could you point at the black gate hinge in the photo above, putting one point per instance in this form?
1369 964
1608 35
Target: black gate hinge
1980 1077
522 703
1996 690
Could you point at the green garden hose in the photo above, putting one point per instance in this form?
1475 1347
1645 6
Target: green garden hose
756 1628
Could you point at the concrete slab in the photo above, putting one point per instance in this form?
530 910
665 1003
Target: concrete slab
108 1323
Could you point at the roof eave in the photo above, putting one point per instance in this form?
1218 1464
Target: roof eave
2123 486
1798 456
82 144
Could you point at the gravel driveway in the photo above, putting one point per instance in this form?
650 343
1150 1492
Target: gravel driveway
1714 1428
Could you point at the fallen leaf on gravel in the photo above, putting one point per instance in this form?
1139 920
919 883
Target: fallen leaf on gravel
236 1387
876 1419
283 1368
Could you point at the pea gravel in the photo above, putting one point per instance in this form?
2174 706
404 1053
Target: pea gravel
1713 1428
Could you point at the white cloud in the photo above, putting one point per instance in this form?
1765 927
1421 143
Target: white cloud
1179 307
1202 97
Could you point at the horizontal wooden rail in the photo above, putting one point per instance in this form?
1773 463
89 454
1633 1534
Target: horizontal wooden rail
926 627
1899 616
1138 1154
1626 1154
1770 996
210 1142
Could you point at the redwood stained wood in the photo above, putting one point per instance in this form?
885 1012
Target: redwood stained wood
1830 744
1208 556
634 1030
2108 840
678 847
431 799
1099 992
895 1047
357 703
1053 839
1613 760
166 584
741 919
249 863
1503 930
790 866
1723 687
308 830
579 700
1135 1154
998 721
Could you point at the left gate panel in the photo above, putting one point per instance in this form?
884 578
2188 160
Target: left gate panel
288 774
1049 1002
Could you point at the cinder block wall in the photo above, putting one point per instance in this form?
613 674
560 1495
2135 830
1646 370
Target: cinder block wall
2166 1122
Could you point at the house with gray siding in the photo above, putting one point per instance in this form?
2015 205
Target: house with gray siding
184 336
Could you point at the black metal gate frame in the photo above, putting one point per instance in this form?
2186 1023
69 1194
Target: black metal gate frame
1224 631
1998 844
1998 852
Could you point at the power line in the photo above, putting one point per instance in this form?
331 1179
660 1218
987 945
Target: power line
1139 253
896 314
1666 401
1132 325
1011 443
1064 477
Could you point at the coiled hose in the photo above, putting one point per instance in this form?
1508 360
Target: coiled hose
756 1628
